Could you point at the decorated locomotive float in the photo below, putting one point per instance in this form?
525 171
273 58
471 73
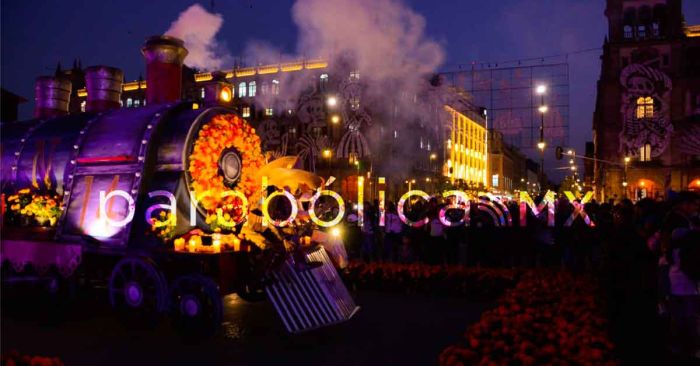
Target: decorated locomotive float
163 203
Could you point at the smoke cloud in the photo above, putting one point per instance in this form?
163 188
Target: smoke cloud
385 37
198 28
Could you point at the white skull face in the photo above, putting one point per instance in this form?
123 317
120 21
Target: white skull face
639 85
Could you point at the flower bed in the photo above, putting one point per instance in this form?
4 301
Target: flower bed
453 280
14 358
548 318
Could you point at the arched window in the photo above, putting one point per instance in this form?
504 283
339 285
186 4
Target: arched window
82 106
129 102
264 88
645 153
645 107
324 82
275 87
641 31
251 89
202 93
242 89
627 30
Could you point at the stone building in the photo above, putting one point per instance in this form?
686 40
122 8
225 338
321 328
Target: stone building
646 124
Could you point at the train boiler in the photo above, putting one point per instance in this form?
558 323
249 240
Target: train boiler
95 184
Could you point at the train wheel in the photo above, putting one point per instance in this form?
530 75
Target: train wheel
138 290
195 305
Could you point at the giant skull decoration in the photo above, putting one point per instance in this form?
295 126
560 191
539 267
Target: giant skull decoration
641 81
311 110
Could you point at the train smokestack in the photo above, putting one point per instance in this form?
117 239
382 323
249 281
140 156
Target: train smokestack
164 57
51 96
104 88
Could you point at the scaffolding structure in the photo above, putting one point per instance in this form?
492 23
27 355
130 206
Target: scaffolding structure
508 93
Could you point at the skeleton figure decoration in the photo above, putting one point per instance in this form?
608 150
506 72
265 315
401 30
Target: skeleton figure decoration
353 142
645 108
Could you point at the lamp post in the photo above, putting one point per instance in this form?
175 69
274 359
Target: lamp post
541 90
624 177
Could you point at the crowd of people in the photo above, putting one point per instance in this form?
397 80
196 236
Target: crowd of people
646 253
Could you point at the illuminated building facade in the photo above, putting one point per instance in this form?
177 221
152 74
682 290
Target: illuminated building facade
646 124
466 148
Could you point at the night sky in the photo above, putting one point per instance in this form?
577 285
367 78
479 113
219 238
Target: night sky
38 34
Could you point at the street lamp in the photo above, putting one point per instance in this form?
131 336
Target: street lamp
335 119
541 90
332 101
624 178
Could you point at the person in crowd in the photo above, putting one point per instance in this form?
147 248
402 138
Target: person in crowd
392 228
435 247
368 228
405 251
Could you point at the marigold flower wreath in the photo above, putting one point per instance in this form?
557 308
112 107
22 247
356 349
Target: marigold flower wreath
221 133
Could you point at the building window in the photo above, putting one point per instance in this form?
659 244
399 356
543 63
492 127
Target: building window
275 87
242 88
129 103
641 31
137 103
251 89
655 29
82 106
645 153
645 107
246 112
354 75
121 103
144 102
268 111
202 93
264 88
627 30
293 130
324 82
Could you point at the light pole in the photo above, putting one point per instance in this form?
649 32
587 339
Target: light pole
624 178
541 90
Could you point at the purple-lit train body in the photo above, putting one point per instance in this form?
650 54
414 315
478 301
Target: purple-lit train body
136 151
133 150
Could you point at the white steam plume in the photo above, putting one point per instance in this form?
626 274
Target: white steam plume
198 28
386 38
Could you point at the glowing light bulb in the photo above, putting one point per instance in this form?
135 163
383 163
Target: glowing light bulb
225 94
